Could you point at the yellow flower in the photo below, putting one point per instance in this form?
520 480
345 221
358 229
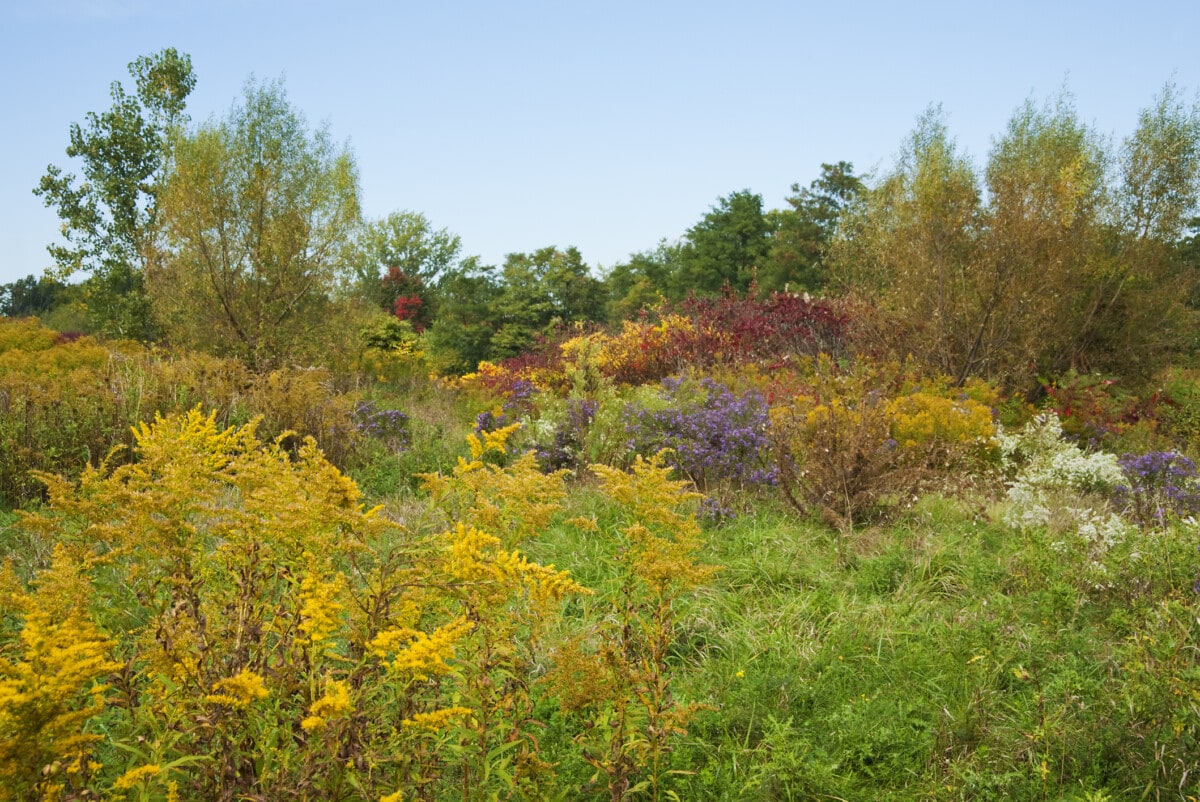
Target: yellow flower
320 609
424 654
239 690
135 776
334 704
437 719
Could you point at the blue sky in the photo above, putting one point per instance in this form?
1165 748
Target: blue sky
603 125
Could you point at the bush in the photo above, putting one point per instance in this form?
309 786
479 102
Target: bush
857 444
713 436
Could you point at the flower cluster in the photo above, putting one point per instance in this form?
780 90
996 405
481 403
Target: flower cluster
388 425
1043 462
239 691
1160 485
563 451
490 420
713 434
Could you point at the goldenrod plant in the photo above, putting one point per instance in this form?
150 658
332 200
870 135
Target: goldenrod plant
617 675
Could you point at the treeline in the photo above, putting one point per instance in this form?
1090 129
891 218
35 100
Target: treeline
244 237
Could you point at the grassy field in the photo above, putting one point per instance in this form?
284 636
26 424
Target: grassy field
217 614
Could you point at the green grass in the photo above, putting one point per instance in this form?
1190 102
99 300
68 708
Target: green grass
944 656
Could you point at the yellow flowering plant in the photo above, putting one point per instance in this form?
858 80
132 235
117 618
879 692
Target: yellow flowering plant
614 675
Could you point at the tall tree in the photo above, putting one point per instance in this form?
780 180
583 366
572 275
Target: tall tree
914 243
541 290
1050 203
1070 262
109 217
30 296
257 217
804 232
1132 317
461 334
406 244
726 247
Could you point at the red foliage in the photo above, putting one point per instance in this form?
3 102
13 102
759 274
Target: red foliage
408 307
402 295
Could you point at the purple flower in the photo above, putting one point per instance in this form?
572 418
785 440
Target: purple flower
388 425
1161 485
564 450
714 435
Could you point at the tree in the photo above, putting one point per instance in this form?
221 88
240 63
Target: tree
31 296
913 242
461 335
1070 264
641 282
804 232
1135 312
541 290
402 244
256 219
109 217
726 247
1050 204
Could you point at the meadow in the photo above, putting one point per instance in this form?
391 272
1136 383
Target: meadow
725 552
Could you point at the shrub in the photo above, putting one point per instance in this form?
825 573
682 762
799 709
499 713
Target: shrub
859 443
270 636
1092 409
837 459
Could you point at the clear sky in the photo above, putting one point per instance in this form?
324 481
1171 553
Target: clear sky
606 125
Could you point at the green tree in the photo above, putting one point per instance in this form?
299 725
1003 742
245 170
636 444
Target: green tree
726 247
461 334
913 242
109 218
642 281
407 242
804 232
257 218
1071 263
542 290
1050 203
1135 313
31 296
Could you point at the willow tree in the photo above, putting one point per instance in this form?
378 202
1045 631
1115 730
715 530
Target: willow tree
255 219
913 241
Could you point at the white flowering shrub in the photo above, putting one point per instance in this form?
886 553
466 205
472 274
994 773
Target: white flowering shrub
1039 458
1054 483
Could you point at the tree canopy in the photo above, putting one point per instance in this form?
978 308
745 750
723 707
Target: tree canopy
256 220
1071 259
109 217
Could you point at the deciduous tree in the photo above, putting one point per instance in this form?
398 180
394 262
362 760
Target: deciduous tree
257 216
726 247
404 243
1073 262
540 290
109 216
804 232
